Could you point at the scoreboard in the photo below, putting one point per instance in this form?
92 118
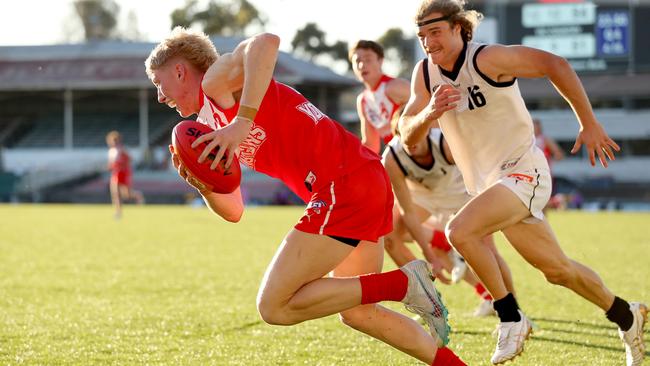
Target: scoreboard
594 36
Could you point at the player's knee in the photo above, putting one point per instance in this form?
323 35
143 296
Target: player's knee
271 313
357 316
560 273
458 236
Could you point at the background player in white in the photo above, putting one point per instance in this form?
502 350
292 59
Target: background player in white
382 98
428 185
478 105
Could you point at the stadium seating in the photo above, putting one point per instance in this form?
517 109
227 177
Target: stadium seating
46 132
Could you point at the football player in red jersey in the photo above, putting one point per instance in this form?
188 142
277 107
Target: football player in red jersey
383 97
119 163
275 130
549 147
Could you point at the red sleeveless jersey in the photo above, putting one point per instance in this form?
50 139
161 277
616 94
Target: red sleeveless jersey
119 160
292 140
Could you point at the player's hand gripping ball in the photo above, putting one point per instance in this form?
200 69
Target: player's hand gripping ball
219 180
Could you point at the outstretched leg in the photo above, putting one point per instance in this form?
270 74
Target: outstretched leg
294 289
375 320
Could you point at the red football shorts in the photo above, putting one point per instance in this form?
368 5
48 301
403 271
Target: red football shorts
122 177
358 206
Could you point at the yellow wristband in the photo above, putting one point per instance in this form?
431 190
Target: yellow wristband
247 112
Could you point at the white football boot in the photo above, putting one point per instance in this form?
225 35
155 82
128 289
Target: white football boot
423 299
460 267
511 337
633 337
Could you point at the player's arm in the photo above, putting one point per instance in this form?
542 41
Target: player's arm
503 63
249 69
422 109
399 91
230 206
369 135
406 207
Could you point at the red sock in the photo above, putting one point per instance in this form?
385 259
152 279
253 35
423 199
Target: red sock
482 292
447 357
439 240
378 287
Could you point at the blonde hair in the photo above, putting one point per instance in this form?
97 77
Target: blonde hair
456 13
195 47
112 138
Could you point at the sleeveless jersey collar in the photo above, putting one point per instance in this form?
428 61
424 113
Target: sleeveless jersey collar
452 75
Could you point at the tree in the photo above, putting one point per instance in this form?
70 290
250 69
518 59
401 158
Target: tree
232 18
310 42
402 47
99 18
339 51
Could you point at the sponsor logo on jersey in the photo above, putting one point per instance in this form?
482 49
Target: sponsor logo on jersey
316 206
311 111
522 177
509 164
377 113
249 148
310 180
216 119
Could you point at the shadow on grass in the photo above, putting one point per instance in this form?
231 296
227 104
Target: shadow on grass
604 327
588 345
243 326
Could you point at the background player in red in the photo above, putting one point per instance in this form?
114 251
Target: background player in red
278 132
119 163
382 98
549 147
552 152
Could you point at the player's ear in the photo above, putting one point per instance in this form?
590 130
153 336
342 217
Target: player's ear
180 70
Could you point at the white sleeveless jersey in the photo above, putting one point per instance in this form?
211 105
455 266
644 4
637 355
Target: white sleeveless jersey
490 134
442 181
378 108
113 153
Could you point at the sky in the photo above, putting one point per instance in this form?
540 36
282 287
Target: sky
346 20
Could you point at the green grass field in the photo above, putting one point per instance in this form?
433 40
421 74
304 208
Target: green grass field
171 285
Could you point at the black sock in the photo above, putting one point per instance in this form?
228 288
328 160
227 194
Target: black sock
620 314
507 308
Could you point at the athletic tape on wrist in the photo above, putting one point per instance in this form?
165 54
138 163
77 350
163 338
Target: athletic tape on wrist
247 112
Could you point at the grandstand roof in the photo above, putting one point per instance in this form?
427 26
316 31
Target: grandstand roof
115 64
